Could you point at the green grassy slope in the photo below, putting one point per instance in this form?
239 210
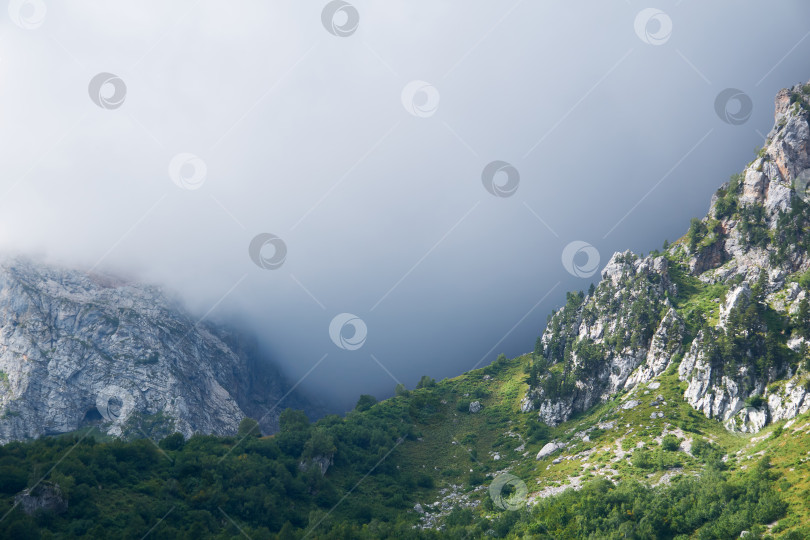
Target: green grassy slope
423 447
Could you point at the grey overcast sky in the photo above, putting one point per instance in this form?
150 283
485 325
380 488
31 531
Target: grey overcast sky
357 134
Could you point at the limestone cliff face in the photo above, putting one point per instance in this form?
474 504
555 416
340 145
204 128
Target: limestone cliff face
723 303
79 349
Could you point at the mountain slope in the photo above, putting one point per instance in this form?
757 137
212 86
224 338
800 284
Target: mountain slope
80 349
670 401
729 299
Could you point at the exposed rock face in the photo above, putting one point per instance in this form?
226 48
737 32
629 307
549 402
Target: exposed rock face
548 449
611 340
322 462
44 497
665 344
78 349
635 324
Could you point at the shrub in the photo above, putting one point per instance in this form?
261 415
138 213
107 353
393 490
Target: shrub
476 478
425 481
365 402
248 427
642 459
756 401
175 441
426 382
671 443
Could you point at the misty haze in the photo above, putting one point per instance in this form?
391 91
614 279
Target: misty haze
351 269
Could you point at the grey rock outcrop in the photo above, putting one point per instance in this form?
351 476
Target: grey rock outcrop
548 449
628 331
45 497
79 349
322 462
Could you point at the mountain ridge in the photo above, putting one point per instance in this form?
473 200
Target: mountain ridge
670 401
646 311
79 348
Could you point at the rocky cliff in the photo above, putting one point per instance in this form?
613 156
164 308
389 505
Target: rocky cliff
80 349
726 305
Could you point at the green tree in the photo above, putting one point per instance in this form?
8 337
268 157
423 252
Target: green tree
248 427
320 443
365 402
803 318
670 442
760 288
292 420
175 441
697 231
532 380
426 382
538 346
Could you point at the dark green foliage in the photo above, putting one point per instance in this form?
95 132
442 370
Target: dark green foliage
643 459
12 478
248 427
536 431
320 443
756 401
271 489
365 402
426 382
671 443
727 197
754 337
797 97
590 355
697 232
752 225
802 321
790 235
560 326
175 441
122 489
804 280
708 453
709 507
424 481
